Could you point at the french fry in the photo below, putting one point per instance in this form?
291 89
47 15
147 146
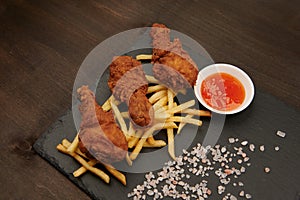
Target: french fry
169 124
155 143
134 139
157 96
125 115
165 108
143 57
185 120
171 147
137 149
106 106
128 160
151 79
155 88
131 130
161 109
119 117
182 124
181 107
150 139
117 174
141 142
163 101
94 170
170 132
161 115
82 169
202 113
67 144
74 144
170 98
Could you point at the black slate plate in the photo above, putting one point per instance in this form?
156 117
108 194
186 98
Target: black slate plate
257 124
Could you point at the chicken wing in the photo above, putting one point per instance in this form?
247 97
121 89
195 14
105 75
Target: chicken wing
100 136
172 65
128 83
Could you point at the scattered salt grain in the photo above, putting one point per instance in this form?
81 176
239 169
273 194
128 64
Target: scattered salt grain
281 134
241 184
242 193
231 140
262 148
252 147
150 192
174 176
221 189
248 196
267 169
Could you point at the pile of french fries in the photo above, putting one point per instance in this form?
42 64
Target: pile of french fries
88 164
165 110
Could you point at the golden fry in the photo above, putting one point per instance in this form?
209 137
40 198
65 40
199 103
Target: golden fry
106 106
162 102
155 143
94 170
125 115
161 109
170 99
181 107
185 120
131 130
119 117
128 160
134 139
201 113
155 88
170 132
121 177
74 144
150 139
169 124
82 169
161 115
171 147
143 57
151 79
157 96
141 142
182 124
67 144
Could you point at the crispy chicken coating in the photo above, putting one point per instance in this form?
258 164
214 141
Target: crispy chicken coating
172 65
128 83
100 136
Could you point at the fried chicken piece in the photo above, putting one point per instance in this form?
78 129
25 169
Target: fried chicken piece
172 65
100 136
128 84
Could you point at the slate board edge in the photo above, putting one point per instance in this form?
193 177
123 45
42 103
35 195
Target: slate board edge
37 146
77 181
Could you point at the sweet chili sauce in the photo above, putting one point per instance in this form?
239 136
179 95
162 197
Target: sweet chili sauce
222 91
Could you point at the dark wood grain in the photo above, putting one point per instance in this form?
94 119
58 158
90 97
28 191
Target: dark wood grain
42 44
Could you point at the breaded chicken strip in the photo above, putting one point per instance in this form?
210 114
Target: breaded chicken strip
128 83
172 65
100 136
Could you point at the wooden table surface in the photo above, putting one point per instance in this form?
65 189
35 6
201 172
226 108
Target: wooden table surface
42 44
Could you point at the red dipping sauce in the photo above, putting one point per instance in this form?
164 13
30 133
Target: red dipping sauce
222 91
